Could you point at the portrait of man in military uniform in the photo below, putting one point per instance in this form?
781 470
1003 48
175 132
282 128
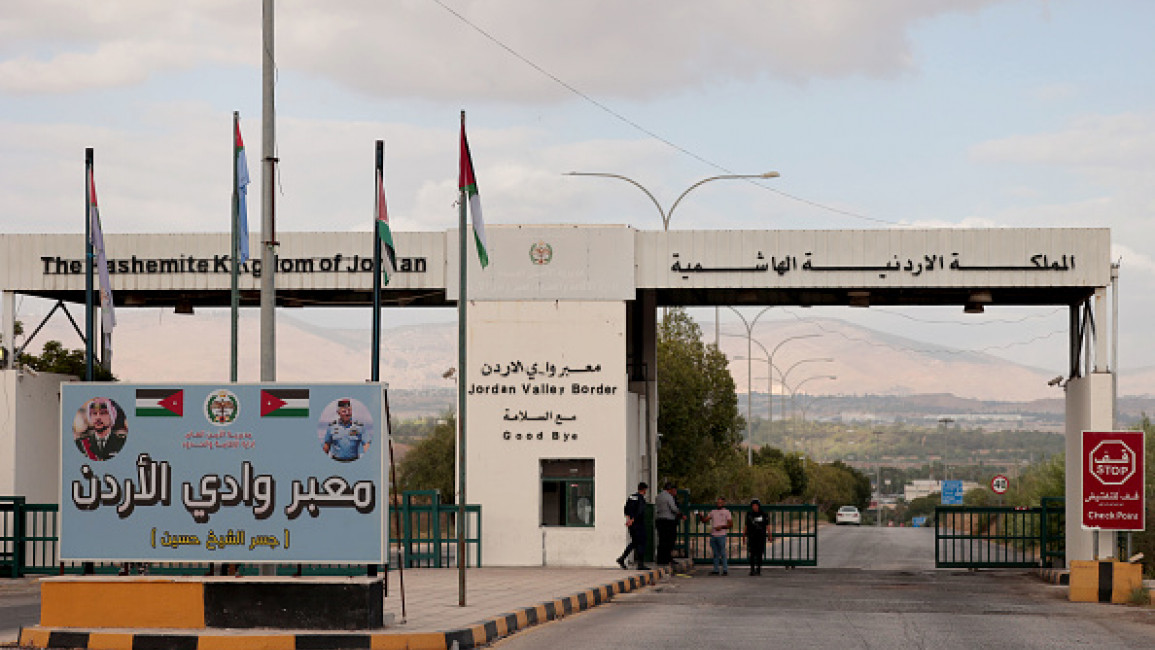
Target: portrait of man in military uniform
99 429
345 438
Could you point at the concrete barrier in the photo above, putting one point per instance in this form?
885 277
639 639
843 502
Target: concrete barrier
1104 581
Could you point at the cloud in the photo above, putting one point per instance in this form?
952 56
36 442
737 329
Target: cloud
65 46
1099 144
468 49
1132 260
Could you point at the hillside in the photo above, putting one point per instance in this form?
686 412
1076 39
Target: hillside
153 345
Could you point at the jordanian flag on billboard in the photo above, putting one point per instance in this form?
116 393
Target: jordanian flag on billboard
160 402
285 403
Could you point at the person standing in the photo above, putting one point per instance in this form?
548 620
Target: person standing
666 518
757 528
635 511
721 521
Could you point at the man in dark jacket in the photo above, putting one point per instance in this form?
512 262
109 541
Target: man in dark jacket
757 523
635 512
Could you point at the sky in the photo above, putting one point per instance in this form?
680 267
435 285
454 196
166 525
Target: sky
884 114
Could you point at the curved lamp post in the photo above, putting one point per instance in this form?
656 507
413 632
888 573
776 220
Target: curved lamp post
769 359
666 227
794 391
666 216
749 376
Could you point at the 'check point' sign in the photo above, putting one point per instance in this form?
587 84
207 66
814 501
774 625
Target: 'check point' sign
1113 496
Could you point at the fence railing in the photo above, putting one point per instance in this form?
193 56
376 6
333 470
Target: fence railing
29 543
976 537
793 535
429 531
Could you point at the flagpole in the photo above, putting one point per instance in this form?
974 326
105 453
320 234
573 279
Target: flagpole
236 253
461 384
375 347
89 316
268 189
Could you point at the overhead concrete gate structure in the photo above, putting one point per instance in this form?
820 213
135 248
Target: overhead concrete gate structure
561 334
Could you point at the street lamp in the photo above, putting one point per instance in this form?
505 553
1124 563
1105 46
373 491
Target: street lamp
667 215
781 376
878 476
650 442
749 376
794 391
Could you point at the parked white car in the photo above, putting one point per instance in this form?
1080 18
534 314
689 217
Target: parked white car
848 515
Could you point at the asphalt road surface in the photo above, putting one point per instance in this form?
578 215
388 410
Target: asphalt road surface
874 588
870 548
19 605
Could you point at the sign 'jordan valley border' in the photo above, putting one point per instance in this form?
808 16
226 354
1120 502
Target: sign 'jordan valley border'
223 473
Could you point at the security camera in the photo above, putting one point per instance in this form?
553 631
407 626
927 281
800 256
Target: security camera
1056 381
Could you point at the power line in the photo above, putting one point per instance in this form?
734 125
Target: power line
622 118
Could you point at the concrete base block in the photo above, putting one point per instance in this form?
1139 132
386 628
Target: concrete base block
313 603
1104 581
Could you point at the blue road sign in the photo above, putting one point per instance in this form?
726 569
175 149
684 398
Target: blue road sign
952 493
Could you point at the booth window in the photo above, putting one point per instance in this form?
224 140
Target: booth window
567 492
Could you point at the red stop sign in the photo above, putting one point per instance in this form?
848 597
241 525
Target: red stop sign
1113 493
1112 462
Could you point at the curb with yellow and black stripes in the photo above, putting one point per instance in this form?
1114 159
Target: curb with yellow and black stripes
474 636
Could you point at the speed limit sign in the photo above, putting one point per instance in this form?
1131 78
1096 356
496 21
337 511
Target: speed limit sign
999 484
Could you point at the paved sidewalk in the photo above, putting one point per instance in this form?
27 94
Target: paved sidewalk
498 602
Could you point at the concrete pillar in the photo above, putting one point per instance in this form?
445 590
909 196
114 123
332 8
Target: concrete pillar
8 325
1102 327
1090 407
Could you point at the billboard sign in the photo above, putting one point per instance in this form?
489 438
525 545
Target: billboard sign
1113 496
223 473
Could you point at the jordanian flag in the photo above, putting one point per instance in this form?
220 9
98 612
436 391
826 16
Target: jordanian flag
241 163
285 403
383 226
160 402
96 233
467 183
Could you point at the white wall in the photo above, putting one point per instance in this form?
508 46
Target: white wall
30 435
570 343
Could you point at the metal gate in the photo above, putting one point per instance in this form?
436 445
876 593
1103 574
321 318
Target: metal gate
793 535
994 537
29 537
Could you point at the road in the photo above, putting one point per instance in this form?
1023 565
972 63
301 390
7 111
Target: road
19 605
866 547
874 588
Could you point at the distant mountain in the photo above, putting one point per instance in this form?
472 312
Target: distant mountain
869 362
156 345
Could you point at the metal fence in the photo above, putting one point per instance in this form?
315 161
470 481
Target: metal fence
793 535
429 531
999 537
29 536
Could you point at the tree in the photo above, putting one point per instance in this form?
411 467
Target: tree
57 358
430 465
698 420
793 465
833 485
54 357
